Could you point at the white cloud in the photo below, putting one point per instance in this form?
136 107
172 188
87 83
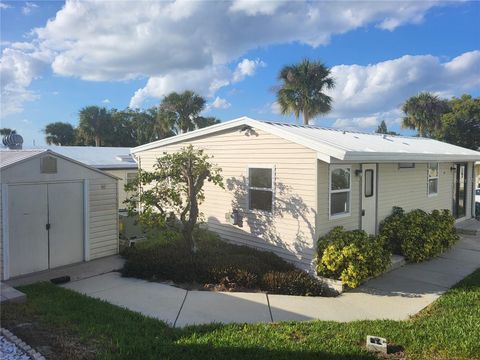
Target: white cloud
363 93
4 6
28 8
17 70
218 103
108 40
105 101
256 7
246 68
275 108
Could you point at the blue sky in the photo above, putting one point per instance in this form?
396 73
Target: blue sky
58 57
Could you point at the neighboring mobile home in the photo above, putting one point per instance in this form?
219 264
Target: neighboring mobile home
54 211
285 185
116 161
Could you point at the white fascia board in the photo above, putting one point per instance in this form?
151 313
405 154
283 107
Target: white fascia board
192 134
406 157
324 157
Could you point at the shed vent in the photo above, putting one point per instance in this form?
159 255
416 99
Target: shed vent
48 165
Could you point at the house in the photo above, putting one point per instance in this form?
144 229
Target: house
477 172
55 211
285 185
116 161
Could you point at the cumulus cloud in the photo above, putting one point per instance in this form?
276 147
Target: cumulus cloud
218 103
365 94
17 70
4 6
246 68
187 44
28 8
106 101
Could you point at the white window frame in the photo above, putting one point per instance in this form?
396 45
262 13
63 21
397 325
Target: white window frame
433 178
330 192
261 166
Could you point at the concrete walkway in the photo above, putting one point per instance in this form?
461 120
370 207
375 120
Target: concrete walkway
396 295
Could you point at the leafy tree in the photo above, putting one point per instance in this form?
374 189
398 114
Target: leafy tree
95 124
60 133
382 129
5 131
302 90
423 113
203 122
174 189
461 125
185 109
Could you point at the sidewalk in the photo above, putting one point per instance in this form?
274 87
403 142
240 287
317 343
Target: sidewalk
396 295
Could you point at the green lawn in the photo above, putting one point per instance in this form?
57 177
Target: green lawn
76 326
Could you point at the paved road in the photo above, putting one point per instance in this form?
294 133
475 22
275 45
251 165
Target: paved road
396 295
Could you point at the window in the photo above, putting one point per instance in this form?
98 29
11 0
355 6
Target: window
432 179
260 189
406 165
340 179
369 183
48 165
131 176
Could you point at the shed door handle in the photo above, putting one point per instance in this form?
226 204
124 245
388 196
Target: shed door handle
363 212
47 226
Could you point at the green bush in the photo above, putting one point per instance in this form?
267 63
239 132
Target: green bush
215 264
293 282
351 256
419 235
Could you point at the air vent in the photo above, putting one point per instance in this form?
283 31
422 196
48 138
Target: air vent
48 165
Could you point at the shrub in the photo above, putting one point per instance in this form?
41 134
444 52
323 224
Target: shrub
351 256
390 229
419 235
215 264
293 282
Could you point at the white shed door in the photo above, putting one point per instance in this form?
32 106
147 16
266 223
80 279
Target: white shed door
28 237
65 210
369 198
31 207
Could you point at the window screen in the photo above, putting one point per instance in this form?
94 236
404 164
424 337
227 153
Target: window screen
260 189
369 183
48 165
340 179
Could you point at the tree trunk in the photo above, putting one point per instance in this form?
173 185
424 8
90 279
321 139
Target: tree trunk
97 140
305 119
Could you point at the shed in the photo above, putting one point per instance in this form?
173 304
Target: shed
290 184
55 211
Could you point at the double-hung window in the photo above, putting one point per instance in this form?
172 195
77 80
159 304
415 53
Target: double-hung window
432 176
260 188
340 189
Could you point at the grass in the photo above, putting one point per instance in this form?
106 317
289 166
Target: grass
87 328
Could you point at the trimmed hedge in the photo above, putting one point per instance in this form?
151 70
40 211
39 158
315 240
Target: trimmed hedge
216 264
351 256
419 235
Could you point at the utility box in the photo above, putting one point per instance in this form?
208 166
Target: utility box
376 344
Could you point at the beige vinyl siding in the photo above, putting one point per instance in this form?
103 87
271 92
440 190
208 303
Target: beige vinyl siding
122 175
350 222
290 230
407 188
103 227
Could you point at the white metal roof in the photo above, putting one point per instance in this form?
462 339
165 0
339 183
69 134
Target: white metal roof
98 157
334 145
12 157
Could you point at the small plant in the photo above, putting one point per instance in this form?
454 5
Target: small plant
351 256
419 235
294 282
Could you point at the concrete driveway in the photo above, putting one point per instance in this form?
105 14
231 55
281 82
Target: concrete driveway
396 295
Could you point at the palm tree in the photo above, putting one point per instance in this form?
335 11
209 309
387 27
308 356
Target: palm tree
423 113
95 124
185 107
302 90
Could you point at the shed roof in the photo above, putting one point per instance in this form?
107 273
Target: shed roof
333 145
11 157
98 157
